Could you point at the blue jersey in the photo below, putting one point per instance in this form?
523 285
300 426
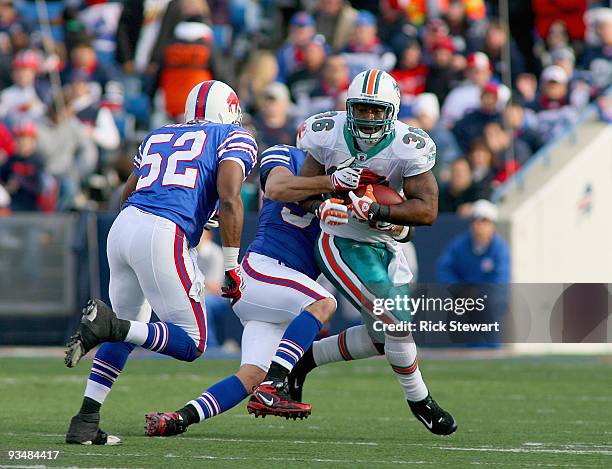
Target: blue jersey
176 166
286 231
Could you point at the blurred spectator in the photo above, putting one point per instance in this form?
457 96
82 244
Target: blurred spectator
274 124
5 202
598 55
483 165
210 263
365 50
21 175
458 194
523 124
443 76
7 144
508 152
334 20
99 123
330 89
480 256
101 19
175 12
563 57
473 123
303 82
290 57
137 32
189 58
393 27
566 12
67 151
83 58
17 30
426 110
21 100
553 107
495 41
260 70
411 74
466 31
466 97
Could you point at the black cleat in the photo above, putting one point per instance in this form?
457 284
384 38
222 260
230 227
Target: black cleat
430 414
295 383
272 398
164 424
84 430
98 324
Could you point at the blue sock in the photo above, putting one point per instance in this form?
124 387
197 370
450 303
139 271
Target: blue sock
297 338
169 339
107 365
219 397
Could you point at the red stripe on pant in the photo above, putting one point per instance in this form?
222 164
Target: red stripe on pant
289 283
347 282
198 312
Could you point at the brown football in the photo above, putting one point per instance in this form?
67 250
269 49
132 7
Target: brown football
384 194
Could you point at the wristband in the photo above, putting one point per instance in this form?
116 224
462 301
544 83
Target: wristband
230 257
314 207
379 212
406 235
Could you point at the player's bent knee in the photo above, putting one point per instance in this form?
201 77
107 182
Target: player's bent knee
323 309
250 376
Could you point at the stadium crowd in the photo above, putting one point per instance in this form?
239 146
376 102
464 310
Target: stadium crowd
83 81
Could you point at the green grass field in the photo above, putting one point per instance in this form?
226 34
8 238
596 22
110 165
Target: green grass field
542 412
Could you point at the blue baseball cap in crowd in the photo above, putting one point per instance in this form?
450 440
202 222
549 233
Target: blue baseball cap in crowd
365 18
302 19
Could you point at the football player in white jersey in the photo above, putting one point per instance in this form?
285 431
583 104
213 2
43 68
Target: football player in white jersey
362 258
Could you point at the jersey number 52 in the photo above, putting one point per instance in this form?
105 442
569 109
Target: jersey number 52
172 177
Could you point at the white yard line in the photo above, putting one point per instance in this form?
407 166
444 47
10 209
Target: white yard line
527 450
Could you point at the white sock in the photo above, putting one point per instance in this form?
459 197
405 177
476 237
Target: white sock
96 391
401 353
138 333
353 343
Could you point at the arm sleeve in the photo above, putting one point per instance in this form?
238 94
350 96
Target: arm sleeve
278 155
241 147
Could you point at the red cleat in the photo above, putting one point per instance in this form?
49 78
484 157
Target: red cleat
164 424
272 398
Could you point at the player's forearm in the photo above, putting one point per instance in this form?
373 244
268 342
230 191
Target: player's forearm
413 212
229 186
231 215
289 188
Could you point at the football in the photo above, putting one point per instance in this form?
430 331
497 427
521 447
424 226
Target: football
384 194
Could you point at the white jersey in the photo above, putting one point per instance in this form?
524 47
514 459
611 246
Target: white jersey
408 151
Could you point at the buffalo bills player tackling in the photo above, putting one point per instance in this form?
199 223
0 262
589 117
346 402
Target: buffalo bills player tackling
279 273
181 172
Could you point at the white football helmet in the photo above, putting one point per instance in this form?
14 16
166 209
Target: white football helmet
373 87
213 101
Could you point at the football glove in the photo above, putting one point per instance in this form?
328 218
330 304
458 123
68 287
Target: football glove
233 285
213 222
361 207
346 179
333 212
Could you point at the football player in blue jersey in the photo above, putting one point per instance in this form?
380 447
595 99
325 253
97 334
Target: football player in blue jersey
181 172
279 272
